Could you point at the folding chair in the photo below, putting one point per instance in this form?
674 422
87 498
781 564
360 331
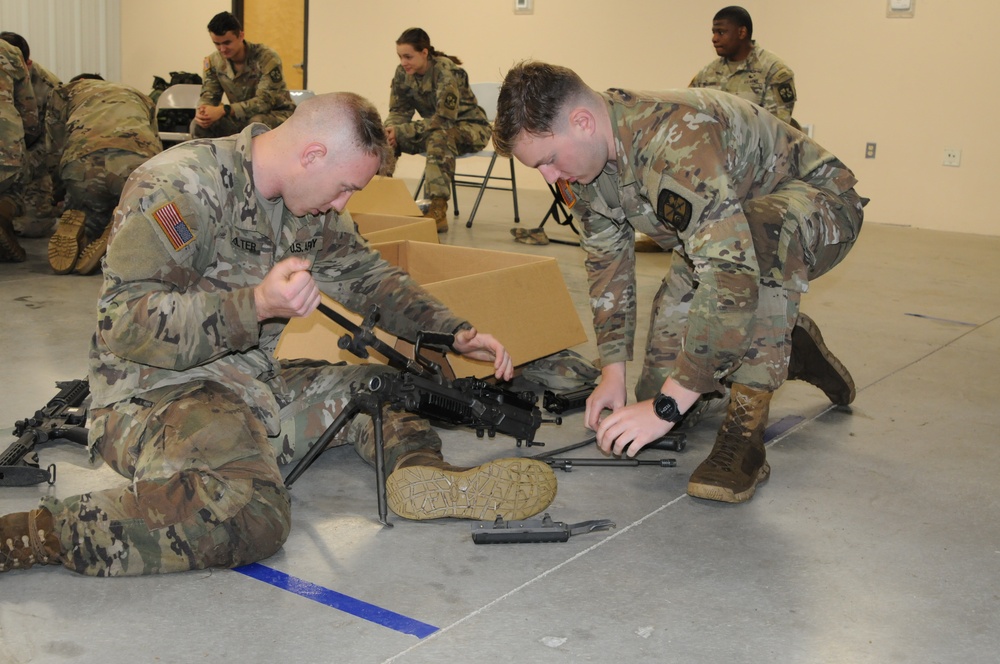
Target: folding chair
175 111
486 95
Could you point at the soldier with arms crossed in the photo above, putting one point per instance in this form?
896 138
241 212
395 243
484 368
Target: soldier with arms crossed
753 211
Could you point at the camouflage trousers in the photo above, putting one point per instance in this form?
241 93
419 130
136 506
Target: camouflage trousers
441 146
205 489
226 126
815 232
37 197
94 184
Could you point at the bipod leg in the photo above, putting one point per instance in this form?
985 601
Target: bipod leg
374 407
350 410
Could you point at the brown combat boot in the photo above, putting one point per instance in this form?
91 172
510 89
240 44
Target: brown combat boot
11 250
90 257
813 362
737 463
438 211
26 539
424 486
67 242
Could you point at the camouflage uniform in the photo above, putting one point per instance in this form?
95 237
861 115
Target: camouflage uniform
19 119
761 78
97 133
37 197
452 121
256 94
189 401
753 211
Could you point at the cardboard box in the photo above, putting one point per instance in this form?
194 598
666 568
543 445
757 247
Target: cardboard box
384 196
520 299
391 228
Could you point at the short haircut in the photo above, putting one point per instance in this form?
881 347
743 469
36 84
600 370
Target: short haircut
224 22
531 98
17 40
350 117
87 77
739 16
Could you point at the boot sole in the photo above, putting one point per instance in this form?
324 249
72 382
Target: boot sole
726 495
64 245
90 257
511 488
845 395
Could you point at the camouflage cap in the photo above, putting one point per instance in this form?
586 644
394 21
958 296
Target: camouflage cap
562 371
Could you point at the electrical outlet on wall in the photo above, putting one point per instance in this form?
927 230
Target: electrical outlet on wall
524 6
952 157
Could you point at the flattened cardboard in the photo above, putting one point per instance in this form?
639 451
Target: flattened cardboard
520 299
384 196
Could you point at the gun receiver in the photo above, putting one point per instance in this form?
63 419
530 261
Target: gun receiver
62 418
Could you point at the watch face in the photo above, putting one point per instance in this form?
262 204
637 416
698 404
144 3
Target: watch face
666 408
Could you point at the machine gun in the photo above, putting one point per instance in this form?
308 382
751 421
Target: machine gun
62 418
420 388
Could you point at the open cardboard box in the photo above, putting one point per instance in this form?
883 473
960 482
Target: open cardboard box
384 196
520 299
390 227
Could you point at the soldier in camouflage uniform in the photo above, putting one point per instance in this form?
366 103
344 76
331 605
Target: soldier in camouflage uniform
96 134
215 245
753 211
452 123
249 74
38 212
745 69
19 128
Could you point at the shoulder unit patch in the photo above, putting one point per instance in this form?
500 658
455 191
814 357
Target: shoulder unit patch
673 209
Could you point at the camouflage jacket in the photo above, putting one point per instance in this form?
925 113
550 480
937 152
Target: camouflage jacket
259 89
191 239
19 122
686 162
442 96
761 78
89 115
43 82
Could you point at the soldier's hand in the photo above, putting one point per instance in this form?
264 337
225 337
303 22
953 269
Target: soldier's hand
288 290
390 134
485 347
608 395
636 424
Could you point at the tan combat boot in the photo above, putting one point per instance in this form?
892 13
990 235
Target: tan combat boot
90 257
11 250
813 362
438 211
26 539
737 463
424 486
67 242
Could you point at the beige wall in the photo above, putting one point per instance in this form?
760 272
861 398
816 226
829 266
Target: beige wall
913 86
160 37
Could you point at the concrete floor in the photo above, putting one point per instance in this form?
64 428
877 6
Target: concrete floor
876 539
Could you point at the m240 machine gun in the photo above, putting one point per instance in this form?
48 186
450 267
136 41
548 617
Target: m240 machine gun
420 387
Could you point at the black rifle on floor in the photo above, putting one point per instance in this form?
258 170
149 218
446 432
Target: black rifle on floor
420 388
62 418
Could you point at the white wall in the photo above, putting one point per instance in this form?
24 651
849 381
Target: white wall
912 86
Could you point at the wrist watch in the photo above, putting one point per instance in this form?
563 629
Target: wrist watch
666 408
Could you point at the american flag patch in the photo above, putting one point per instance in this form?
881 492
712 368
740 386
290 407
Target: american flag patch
176 229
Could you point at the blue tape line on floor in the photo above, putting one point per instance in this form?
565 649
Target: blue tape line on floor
781 426
943 320
336 600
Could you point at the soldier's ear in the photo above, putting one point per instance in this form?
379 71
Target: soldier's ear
312 153
583 120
